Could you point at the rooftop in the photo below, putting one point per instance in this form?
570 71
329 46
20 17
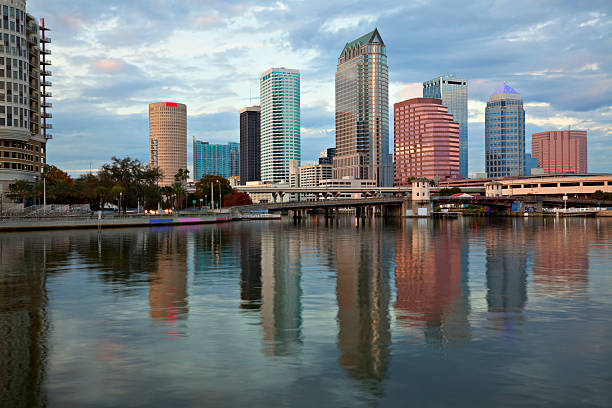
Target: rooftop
371 37
505 88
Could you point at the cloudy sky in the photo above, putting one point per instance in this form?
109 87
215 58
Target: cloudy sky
112 58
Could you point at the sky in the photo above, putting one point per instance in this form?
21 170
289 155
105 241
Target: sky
112 58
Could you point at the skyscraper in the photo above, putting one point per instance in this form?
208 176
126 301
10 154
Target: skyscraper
168 139
24 127
561 151
280 122
218 159
250 148
505 134
426 141
362 111
454 94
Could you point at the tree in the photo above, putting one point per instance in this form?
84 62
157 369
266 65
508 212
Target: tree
600 195
21 190
181 176
203 186
445 192
178 191
236 199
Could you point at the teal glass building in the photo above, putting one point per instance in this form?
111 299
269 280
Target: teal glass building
280 140
217 159
454 94
505 134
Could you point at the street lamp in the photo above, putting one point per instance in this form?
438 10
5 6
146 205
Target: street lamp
219 187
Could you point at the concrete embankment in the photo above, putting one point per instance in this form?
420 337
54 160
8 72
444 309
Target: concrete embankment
604 213
62 223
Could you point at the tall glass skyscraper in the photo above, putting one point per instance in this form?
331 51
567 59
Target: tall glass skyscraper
218 159
280 123
505 134
362 111
454 94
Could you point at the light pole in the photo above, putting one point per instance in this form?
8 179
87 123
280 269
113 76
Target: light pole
219 186
212 196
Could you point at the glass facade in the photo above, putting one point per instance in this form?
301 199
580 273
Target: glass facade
217 159
505 134
454 95
280 123
362 111
250 150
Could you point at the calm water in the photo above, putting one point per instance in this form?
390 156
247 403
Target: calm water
478 313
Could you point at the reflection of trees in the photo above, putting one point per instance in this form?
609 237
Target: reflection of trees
431 278
362 262
23 323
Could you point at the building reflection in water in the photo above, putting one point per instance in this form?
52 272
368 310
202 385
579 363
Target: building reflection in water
24 323
281 308
506 262
431 277
362 290
250 268
561 260
168 284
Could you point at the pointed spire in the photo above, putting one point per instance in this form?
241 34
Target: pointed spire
505 88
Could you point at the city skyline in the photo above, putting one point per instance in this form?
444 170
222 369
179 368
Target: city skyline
558 91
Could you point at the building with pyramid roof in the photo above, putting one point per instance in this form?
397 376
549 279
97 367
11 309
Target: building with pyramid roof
505 133
362 112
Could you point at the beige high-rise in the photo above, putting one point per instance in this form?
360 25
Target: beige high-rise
168 139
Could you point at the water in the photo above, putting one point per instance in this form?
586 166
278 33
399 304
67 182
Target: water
474 312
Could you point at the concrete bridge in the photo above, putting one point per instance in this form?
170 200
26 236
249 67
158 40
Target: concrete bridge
399 206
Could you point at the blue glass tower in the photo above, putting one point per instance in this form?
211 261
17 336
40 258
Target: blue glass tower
454 94
217 159
505 134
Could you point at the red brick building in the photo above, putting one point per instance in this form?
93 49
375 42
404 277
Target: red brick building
426 141
560 151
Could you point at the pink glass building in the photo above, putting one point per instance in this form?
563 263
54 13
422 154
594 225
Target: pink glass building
426 141
560 151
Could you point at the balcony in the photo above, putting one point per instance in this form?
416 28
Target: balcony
46 94
46 105
46 126
48 136
32 28
45 40
46 83
45 52
44 72
47 62
46 115
33 40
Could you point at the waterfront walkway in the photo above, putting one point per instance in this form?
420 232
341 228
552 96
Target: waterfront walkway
60 223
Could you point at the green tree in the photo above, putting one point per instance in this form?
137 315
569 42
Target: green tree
203 187
21 190
445 192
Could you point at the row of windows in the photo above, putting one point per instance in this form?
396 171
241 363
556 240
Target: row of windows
18 166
